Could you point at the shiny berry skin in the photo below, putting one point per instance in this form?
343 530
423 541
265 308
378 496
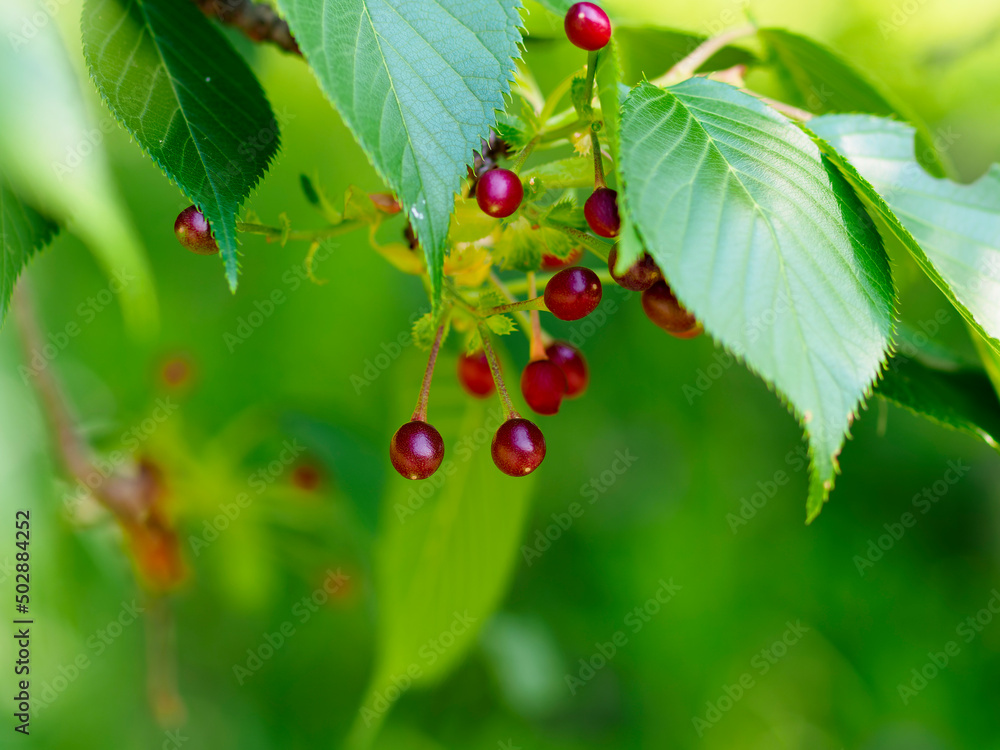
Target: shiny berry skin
475 376
662 307
587 26
573 293
416 450
601 212
554 263
639 276
499 193
571 361
518 447
194 233
543 386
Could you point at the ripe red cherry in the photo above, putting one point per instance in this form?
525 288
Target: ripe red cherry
543 386
554 263
587 26
194 233
573 293
601 212
662 307
499 192
474 374
571 361
639 276
518 447
416 450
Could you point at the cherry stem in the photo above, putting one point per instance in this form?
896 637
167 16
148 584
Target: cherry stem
420 413
524 153
509 411
533 304
701 54
537 348
595 145
310 236
786 109
522 319
597 247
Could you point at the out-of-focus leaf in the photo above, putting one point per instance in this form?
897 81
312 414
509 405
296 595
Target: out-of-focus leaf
23 231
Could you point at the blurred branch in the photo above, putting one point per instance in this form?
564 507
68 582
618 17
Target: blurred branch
257 21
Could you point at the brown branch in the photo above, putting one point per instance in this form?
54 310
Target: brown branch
257 21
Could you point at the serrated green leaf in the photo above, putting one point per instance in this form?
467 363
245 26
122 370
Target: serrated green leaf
817 79
23 231
963 400
193 104
53 154
769 248
522 245
424 331
418 82
952 230
501 324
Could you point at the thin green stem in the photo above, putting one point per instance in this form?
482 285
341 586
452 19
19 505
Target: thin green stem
524 153
491 356
519 315
307 236
536 303
701 54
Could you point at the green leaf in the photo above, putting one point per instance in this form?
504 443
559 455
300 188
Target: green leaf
769 248
952 230
443 561
53 154
23 231
963 400
419 83
171 78
522 245
574 172
817 79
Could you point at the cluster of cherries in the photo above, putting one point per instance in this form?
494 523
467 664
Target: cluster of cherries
556 370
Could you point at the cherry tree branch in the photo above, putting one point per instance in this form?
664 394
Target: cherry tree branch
257 21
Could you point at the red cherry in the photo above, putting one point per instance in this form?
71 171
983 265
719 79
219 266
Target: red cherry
662 307
587 26
416 450
571 361
543 386
554 263
573 293
518 447
194 233
475 376
639 276
601 212
306 477
499 192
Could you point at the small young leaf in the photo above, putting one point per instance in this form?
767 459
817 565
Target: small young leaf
424 331
521 246
962 400
501 324
418 82
769 248
952 230
23 231
187 97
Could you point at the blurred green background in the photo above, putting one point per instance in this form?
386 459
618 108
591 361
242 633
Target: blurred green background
668 517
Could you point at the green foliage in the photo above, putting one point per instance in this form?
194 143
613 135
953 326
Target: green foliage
766 246
952 230
418 123
574 172
23 231
171 78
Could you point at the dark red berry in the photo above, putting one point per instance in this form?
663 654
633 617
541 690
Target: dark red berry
601 212
543 386
662 307
573 293
306 477
474 374
554 263
499 192
571 361
587 26
416 450
194 233
518 447
639 276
